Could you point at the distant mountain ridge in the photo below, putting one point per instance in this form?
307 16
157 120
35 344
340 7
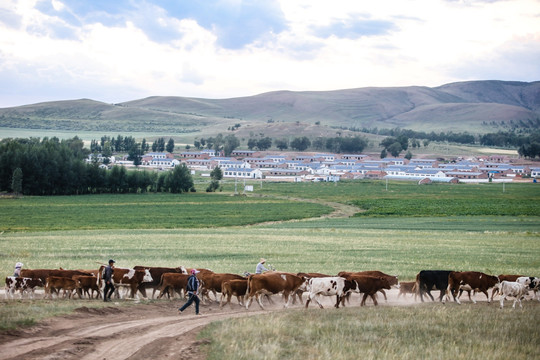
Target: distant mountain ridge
473 106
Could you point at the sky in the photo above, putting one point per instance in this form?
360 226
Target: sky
121 50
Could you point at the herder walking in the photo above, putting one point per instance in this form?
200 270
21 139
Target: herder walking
192 290
107 277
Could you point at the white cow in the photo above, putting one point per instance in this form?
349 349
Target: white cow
514 289
329 286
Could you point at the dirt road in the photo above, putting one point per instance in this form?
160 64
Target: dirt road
144 331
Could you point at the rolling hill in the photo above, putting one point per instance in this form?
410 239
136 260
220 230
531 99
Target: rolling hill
474 107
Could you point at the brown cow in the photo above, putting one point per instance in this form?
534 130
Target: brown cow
156 273
476 280
171 282
272 283
407 287
85 284
370 285
57 283
392 279
237 288
212 282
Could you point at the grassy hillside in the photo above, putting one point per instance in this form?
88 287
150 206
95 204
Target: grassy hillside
475 107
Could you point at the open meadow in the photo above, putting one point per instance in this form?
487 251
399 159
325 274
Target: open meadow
400 229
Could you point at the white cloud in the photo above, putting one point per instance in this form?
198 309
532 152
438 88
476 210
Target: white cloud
65 51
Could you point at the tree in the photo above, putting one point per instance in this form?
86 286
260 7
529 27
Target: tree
213 186
252 143
170 145
135 154
107 150
300 144
319 143
409 155
144 146
383 154
216 174
179 180
264 143
231 143
117 179
16 182
158 145
395 149
282 144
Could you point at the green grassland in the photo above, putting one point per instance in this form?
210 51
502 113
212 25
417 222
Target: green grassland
466 227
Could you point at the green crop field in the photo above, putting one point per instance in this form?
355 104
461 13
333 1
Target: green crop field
400 230
147 211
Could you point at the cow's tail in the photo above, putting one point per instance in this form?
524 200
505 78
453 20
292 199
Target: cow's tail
248 284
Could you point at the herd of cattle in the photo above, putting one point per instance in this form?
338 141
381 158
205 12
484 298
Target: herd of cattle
174 280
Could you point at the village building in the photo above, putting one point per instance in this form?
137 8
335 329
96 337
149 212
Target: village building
243 173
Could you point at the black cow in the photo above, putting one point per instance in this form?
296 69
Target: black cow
427 280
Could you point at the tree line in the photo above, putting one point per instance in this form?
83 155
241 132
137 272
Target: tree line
230 142
501 139
50 166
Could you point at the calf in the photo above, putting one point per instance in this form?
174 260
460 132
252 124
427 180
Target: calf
212 282
57 283
514 289
300 292
171 282
87 285
427 280
502 277
476 280
467 288
237 288
21 284
369 286
329 286
407 287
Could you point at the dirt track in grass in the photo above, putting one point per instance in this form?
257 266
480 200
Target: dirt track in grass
152 330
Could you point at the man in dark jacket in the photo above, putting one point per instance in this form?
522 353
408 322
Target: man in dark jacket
192 290
107 277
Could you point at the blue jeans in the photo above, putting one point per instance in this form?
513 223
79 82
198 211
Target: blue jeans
191 299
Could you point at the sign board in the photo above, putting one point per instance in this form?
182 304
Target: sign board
248 188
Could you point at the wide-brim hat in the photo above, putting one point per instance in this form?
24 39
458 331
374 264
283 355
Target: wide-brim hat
263 260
